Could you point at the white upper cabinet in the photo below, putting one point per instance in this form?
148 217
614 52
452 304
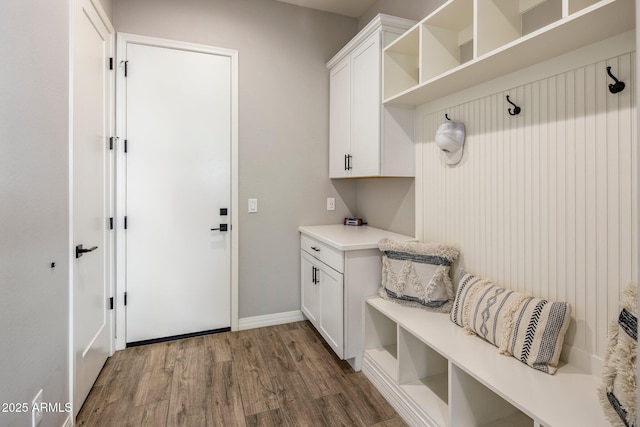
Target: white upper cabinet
466 42
367 139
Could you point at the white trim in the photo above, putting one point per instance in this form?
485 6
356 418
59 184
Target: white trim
68 422
271 320
235 221
122 40
410 413
71 360
381 21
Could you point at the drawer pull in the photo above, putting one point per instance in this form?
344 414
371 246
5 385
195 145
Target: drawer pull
315 249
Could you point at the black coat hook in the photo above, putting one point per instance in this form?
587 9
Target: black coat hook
616 87
446 116
516 109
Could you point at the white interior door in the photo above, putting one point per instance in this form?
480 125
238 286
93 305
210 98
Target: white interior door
178 178
92 165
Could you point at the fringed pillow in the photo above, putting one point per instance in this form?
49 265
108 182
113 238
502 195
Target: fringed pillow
530 329
417 274
619 387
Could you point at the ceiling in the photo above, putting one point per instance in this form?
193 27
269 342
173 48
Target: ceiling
352 8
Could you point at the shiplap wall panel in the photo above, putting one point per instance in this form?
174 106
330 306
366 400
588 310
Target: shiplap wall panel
543 202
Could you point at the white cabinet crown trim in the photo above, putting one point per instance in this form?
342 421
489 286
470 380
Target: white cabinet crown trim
380 22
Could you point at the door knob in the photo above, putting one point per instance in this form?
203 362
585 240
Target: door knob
223 227
80 250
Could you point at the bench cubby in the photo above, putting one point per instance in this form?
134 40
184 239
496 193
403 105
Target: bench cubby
434 374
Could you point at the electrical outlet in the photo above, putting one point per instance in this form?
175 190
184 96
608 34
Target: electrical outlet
331 203
36 412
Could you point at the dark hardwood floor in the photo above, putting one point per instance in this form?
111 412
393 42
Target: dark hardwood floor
281 375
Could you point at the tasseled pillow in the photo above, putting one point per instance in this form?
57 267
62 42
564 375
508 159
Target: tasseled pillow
619 385
417 274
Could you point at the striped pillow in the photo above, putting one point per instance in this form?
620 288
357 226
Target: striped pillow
417 274
528 328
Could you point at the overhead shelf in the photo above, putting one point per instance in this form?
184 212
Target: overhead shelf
465 43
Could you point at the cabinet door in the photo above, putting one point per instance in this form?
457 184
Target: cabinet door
309 290
331 309
339 118
366 106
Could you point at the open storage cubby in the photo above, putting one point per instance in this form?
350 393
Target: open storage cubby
502 21
381 343
578 5
467 42
401 63
447 38
436 375
476 405
423 374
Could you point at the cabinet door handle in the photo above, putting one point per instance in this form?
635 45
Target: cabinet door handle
345 162
315 249
313 275
349 157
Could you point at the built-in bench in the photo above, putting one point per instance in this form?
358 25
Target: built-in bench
434 374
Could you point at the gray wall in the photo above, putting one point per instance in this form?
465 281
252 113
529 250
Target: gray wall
107 5
387 203
34 214
284 125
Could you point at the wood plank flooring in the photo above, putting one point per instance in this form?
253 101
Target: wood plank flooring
281 375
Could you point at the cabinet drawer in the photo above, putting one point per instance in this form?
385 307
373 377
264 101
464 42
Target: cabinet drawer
334 258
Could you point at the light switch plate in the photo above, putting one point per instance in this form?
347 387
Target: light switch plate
253 205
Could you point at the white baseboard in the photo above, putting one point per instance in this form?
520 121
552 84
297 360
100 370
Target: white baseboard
270 320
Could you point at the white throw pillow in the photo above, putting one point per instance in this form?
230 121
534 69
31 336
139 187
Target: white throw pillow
417 274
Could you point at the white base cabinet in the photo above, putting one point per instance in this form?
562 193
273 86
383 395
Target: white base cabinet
340 267
322 289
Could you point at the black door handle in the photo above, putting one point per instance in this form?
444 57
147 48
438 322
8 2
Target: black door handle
223 227
80 250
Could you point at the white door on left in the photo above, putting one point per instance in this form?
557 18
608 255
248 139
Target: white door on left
91 198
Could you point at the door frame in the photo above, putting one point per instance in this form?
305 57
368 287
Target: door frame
122 39
75 8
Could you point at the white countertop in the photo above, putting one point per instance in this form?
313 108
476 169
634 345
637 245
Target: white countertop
351 238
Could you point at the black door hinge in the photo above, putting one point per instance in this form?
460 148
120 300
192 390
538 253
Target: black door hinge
126 145
111 303
126 66
125 222
125 298
111 63
111 143
111 223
